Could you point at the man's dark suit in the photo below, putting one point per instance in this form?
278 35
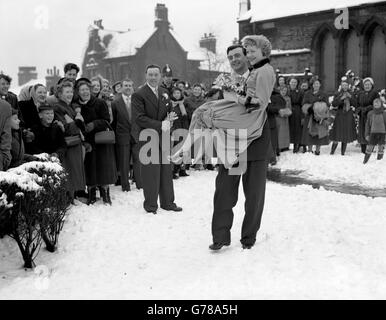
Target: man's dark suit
125 143
227 191
157 179
254 178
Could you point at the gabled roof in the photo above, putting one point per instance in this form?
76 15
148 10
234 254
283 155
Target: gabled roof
121 44
282 8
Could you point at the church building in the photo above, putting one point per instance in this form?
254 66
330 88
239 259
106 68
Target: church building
328 40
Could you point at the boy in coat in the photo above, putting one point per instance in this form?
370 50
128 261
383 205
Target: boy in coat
49 136
375 130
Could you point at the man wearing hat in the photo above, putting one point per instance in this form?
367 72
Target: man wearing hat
49 134
167 79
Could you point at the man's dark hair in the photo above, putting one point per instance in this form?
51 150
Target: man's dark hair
71 66
6 77
198 85
214 91
153 66
235 46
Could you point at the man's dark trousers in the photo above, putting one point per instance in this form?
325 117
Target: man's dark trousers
227 189
157 179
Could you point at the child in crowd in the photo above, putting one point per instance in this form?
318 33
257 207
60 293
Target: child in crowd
17 150
375 130
49 136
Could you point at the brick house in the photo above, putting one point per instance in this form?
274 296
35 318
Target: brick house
312 37
116 55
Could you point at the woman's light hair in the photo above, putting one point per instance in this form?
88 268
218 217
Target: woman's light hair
258 41
62 85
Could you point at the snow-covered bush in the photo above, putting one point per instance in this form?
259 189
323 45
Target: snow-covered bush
33 204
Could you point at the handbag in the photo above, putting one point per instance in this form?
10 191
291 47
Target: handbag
105 137
72 141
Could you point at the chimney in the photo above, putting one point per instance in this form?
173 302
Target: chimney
244 6
26 74
98 23
161 16
208 42
52 77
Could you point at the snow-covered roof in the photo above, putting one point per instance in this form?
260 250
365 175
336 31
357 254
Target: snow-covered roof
194 51
278 52
124 43
282 8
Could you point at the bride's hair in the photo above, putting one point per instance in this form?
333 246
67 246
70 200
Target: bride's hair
258 41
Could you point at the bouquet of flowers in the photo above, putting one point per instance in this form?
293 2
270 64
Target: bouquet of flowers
229 83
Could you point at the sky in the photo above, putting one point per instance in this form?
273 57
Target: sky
47 33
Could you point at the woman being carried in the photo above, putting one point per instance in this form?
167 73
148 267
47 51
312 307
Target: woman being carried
239 118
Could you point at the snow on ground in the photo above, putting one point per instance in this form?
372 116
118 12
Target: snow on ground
346 169
313 244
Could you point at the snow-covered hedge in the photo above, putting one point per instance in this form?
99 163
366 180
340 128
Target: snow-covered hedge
33 205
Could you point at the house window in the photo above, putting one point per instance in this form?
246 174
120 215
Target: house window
124 71
109 73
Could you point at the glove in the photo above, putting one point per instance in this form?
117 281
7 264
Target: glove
29 136
90 127
87 147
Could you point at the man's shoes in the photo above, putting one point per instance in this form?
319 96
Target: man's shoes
380 156
118 183
81 194
209 167
247 246
126 189
367 157
175 176
153 212
218 245
172 208
183 173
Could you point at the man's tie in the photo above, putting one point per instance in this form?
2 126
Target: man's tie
156 92
128 106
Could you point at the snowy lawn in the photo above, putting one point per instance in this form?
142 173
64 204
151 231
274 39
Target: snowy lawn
347 169
313 244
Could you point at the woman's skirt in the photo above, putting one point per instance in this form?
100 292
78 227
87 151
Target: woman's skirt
225 125
73 163
283 132
344 129
309 140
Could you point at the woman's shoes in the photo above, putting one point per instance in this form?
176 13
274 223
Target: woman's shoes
91 196
105 194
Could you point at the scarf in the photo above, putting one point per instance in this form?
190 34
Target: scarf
259 64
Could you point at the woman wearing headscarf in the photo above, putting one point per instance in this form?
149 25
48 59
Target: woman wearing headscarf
34 96
73 124
364 106
343 129
315 127
100 165
30 108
